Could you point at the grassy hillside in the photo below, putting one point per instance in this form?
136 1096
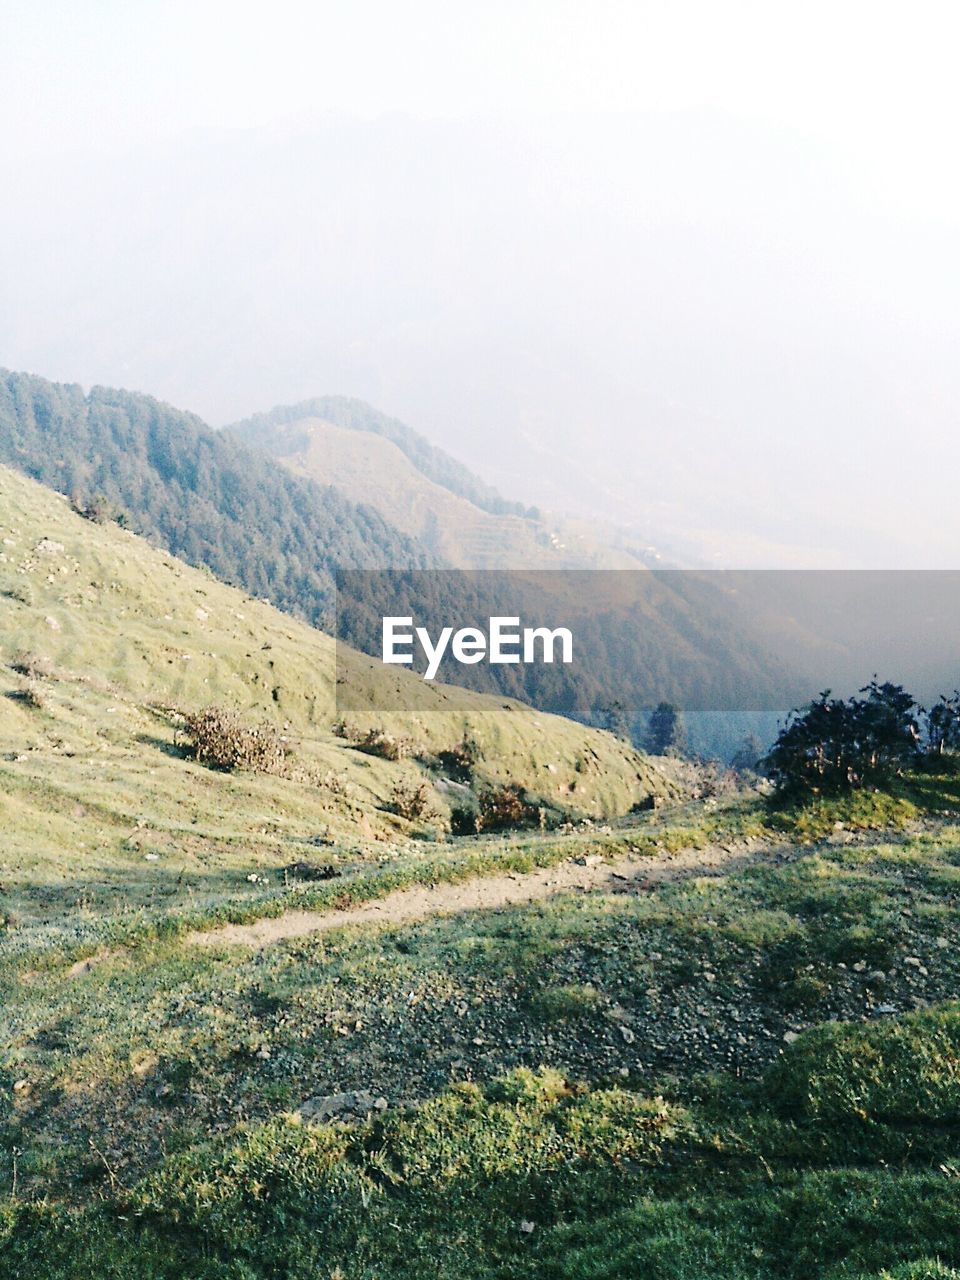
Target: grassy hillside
744 1074
373 469
123 635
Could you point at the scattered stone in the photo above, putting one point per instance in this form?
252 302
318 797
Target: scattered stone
882 1010
627 1034
341 1106
790 1036
914 961
304 870
527 1227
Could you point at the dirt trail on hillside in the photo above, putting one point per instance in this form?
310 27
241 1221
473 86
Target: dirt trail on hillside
632 873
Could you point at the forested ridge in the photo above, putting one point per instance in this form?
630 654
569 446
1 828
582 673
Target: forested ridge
201 494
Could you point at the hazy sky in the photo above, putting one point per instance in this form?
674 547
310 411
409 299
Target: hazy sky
691 265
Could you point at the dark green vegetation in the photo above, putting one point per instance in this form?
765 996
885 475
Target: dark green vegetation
834 746
196 492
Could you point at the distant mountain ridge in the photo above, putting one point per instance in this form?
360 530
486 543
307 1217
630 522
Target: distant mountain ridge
356 415
377 460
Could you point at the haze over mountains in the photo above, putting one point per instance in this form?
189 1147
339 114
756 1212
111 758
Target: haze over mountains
712 331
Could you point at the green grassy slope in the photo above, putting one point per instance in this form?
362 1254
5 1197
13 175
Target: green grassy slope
744 1077
370 468
95 773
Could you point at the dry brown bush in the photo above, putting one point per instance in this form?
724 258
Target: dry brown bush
412 800
30 693
389 746
224 740
504 808
32 665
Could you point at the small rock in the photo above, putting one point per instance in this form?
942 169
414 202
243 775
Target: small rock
334 1106
790 1036
914 961
627 1034
882 1010
527 1227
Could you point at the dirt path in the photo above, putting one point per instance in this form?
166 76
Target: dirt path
507 890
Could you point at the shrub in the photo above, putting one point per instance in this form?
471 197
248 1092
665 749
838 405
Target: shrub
464 821
223 739
31 694
503 808
460 761
833 746
377 742
412 800
32 665
99 509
